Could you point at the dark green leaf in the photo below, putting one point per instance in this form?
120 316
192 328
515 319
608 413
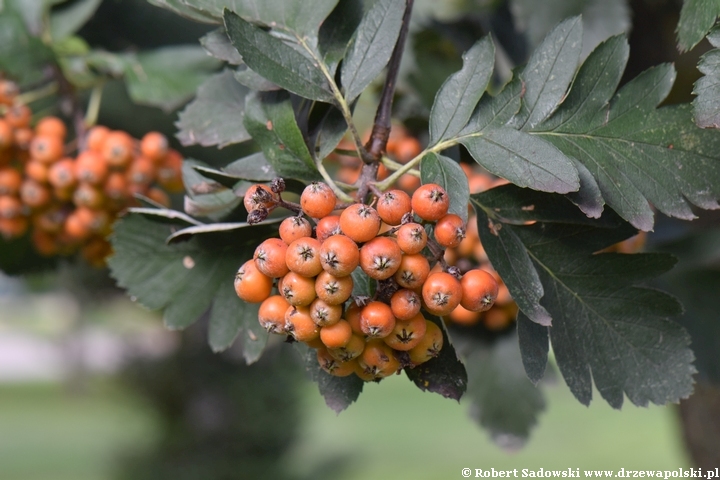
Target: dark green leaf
254 167
165 215
328 133
447 173
696 19
216 115
501 397
270 119
168 77
181 8
276 61
205 198
601 18
512 204
549 72
363 286
339 392
232 319
254 81
639 155
707 88
523 159
498 110
292 16
217 43
456 99
444 374
32 12
534 346
337 30
603 323
181 279
510 258
68 20
22 56
371 47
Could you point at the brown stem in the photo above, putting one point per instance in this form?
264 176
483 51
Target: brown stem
381 127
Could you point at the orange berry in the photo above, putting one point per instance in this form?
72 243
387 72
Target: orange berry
413 271
430 202
116 187
86 195
441 293
324 314
13 227
91 168
360 222
50 220
10 181
154 146
479 290
352 315
377 320
8 91
141 171
497 318
52 126
45 243
37 171
46 148
378 360
411 238
76 227
169 173
333 290
271 314
327 227
23 137
332 365
339 255
257 196
429 346
450 231
407 334
19 116
393 205
407 148
117 149
95 138
293 228
336 335
463 316
349 351
297 289
318 200
299 324
270 258
408 183
251 284
405 304
34 195
62 173
380 258
6 135
303 257
10 207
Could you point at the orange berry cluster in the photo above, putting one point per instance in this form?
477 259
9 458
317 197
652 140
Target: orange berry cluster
69 202
311 269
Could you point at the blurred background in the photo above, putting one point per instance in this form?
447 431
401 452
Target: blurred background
93 387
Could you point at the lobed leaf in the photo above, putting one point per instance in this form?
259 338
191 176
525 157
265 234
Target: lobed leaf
457 97
707 104
339 392
183 279
501 397
637 154
215 116
218 44
696 19
444 374
276 61
270 119
447 173
371 46
168 76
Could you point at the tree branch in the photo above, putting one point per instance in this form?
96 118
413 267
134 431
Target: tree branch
381 127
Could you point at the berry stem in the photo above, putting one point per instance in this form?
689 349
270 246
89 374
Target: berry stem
93 108
381 126
331 183
40 93
393 166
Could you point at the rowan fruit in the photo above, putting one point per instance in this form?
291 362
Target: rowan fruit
271 314
51 126
413 271
407 334
154 146
429 346
441 293
251 284
430 202
297 289
270 258
324 314
378 360
318 200
380 258
339 255
257 196
333 290
351 350
293 228
336 335
327 227
411 238
405 304
299 325
449 231
360 222
303 256
479 290
393 205
377 320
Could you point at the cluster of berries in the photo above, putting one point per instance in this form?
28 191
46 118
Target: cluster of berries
69 203
312 269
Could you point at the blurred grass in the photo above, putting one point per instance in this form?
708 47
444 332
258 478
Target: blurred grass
394 431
